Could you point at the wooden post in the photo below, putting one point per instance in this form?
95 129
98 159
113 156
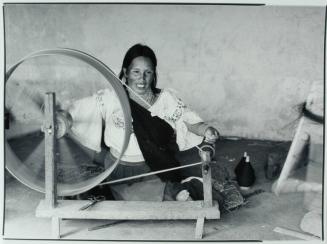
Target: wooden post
207 191
55 222
206 174
199 228
50 162
300 140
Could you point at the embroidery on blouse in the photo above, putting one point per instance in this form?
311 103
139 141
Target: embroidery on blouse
118 118
99 99
178 111
99 95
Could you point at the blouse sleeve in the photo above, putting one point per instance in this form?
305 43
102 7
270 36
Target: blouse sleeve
87 114
172 109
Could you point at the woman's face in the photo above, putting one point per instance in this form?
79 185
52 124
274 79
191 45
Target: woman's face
139 75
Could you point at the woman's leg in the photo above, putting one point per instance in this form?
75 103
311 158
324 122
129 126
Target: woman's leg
149 188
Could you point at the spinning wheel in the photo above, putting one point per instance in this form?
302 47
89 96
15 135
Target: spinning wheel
46 138
77 170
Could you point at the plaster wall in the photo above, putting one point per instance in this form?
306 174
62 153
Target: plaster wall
244 69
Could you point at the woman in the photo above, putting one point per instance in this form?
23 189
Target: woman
160 120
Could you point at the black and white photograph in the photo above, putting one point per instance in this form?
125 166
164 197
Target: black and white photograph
163 121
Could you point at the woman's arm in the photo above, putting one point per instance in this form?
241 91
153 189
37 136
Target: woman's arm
87 115
189 126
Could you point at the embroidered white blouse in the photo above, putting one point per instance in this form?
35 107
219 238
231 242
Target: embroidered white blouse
89 114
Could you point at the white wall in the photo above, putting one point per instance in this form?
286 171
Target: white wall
244 69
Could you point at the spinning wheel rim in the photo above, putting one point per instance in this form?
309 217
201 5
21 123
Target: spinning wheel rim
12 162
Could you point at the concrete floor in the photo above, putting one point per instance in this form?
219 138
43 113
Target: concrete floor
254 221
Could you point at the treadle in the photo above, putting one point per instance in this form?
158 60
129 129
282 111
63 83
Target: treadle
129 210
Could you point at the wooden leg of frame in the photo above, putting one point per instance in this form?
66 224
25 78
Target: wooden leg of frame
199 228
55 227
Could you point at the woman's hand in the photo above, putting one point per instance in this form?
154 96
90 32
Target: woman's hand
211 135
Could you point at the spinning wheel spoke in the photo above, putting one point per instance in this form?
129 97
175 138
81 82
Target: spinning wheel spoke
68 166
72 153
27 103
79 122
36 103
28 145
18 130
82 149
13 94
37 100
36 160
75 163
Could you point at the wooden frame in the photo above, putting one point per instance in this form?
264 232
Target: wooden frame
303 137
55 209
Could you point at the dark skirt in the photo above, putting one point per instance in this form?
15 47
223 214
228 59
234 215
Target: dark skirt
126 169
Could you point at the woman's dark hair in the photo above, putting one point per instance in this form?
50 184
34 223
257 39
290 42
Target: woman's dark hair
139 50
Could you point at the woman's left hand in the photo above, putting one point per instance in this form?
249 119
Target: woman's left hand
211 135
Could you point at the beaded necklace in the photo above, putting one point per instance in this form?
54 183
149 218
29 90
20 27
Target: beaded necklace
145 100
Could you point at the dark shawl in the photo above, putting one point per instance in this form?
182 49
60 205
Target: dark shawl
157 141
